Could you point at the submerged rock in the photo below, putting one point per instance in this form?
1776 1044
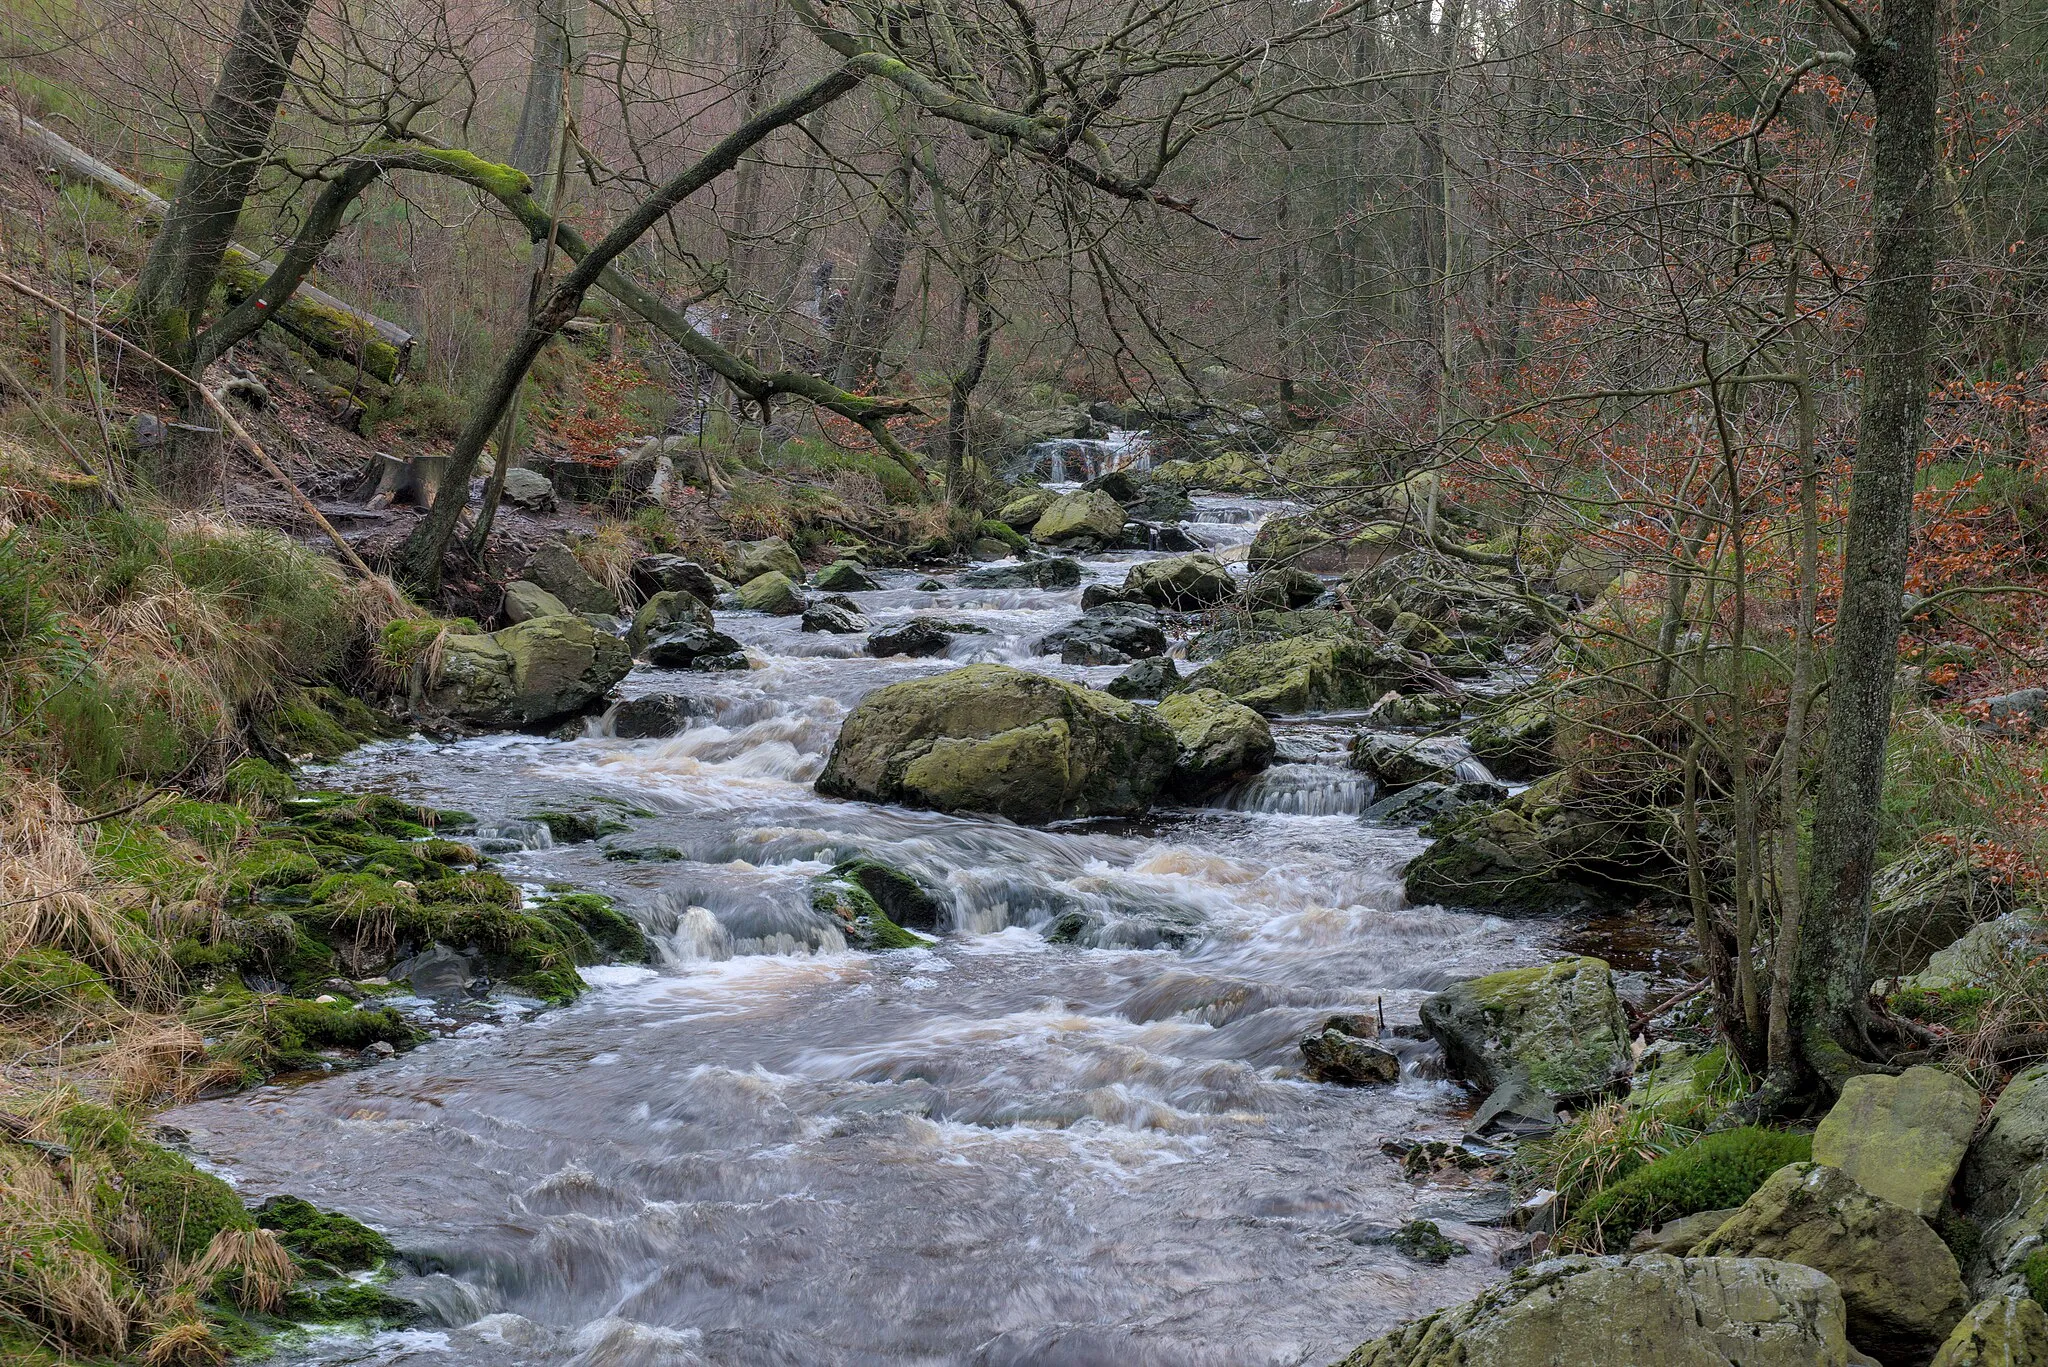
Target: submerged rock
990 738
1056 572
1558 1025
1153 678
1181 583
1104 640
1899 1282
774 593
667 611
533 672
1220 741
1646 1311
908 899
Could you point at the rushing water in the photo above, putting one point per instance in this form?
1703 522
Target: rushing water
769 1150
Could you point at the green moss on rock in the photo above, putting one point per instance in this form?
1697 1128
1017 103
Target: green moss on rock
1717 1172
328 1237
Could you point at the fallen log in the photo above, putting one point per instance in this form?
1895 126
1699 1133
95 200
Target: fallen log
329 325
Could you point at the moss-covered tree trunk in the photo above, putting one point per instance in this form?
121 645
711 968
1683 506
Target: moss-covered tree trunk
232 145
1830 995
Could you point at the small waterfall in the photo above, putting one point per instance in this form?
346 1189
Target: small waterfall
1078 459
1301 790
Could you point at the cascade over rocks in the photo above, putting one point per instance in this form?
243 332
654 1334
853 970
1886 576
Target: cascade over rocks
653 716
1560 1026
1651 1310
533 672
990 738
1898 1280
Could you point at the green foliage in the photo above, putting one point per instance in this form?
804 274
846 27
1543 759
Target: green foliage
2034 1271
418 409
1713 1173
1956 1007
811 456
45 979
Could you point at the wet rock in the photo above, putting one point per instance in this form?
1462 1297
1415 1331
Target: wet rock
1097 595
1119 610
1104 640
930 586
1535 853
538 670
526 600
1903 1138
555 568
1515 741
2004 1331
1157 536
990 738
1309 673
1423 1242
1401 761
1559 1025
1284 542
859 916
1085 517
1425 802
668 611
1130 926
529 490
1022 512
909 900
1416 709
919 638
1281 588
696 648
836 618
621 853
1899 1282
653 716
654 574
439 974
1646 1311
1056 572
774 593
1181 583
1220 741
1925 901
772 555
844 576
2004 1183
1153 678
1337 1055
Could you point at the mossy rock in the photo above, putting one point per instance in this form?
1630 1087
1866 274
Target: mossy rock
1558 1025
774 593
905 898
321 1236
1304 674
178 1207
536 671
576 827
994 530
860 917
252 779
1717 1172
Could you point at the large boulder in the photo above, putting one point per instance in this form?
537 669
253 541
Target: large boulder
1560 1026
1303 674
844 576
1300 543
1103 639
1651 1310
1182 583
1903 1138
1087 516
533 672
1022 512
1281 588
1402 761
1982 951
1925 901
555 568
1220 741
1545 849
669 610
652 716
2004 1183
1056 572
752 559
654 573
772 592
1515 742
990 738
2004 1331
1899 1281
529 490
526 600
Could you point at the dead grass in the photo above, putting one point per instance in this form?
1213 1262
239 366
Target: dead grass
251 1264
51 895
608 554
55 1281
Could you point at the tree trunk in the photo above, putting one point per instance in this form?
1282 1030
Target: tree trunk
1830 997
871 304
234 140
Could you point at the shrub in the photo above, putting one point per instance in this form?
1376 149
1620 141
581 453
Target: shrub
1713 1173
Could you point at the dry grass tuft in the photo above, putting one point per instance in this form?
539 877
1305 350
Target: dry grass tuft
608 553
180 1337
156 1058
50 895
252 1264
55 1279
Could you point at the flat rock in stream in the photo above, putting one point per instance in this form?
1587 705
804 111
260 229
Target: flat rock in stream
1104 640
1057 572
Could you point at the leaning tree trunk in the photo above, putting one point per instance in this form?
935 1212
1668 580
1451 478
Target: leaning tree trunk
234 140
1830 995
871 305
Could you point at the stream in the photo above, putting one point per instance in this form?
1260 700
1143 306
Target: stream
767 1149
